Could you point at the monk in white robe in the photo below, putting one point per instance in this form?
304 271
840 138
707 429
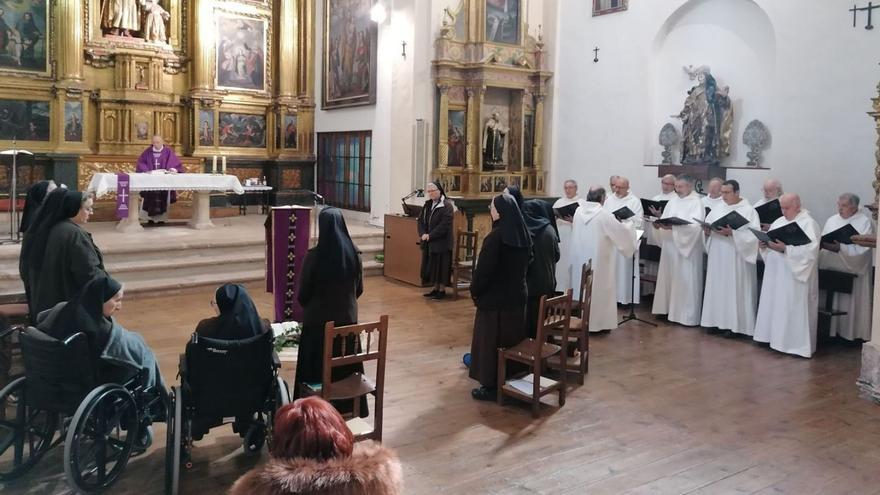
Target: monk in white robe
667 187
626 291
772 190
713 196
598 236
563 225
850 258
731 296
788 310
679 293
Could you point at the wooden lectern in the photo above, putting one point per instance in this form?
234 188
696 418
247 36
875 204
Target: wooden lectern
403 251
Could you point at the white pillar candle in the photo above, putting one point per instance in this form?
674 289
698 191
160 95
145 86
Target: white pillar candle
214 165
224 164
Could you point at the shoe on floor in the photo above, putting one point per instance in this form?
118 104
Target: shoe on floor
430 294
440 294
483 393
466 359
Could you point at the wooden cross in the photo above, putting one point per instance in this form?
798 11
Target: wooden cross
869 9
596 52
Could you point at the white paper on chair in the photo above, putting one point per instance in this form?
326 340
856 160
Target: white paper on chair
526 384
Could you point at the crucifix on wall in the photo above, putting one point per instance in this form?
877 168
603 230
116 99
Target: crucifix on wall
869 9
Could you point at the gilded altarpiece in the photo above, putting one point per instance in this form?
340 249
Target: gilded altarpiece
490 89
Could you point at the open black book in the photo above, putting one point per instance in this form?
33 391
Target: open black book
769 212
733 220
706 213
790 234
623 213
841 235
647 204
671 221
567 211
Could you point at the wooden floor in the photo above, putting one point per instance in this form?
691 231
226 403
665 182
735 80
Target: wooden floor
664 410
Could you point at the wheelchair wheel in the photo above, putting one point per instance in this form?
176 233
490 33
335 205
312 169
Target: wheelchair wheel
255 438
282 394
174 421
100 438
25 433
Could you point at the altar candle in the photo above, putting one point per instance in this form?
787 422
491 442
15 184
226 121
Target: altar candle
224 164
214 165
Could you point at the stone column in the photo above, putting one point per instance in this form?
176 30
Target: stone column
470 143
538 136
475 127
442 128
203 41
70 49
869 379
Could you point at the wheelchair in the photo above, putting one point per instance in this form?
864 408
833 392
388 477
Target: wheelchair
67 396
222 382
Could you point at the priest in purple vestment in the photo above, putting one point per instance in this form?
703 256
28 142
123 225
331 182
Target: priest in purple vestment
158 157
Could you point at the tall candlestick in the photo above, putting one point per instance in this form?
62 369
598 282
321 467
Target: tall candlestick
214 165
224 164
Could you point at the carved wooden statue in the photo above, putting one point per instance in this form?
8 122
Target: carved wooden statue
706 120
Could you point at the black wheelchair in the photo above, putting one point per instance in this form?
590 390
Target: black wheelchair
68 396
221 382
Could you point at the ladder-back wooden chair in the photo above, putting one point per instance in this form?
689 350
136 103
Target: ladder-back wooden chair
359 344
578 361
554 314
464 259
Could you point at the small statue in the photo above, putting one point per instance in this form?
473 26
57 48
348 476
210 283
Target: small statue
493 141
447 29
756 137
121 17
668 138
154 21
706 120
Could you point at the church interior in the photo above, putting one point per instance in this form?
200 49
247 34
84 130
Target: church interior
439 246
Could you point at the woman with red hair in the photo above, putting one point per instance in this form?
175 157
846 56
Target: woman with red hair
313 452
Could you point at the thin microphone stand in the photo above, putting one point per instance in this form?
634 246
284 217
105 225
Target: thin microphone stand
632 301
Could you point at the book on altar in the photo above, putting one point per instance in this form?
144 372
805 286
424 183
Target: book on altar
842 235
623 213
733 220
789 234
769 212
672 221
567 211
647 204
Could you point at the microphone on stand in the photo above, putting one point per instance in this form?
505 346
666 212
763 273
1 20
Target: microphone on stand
406 210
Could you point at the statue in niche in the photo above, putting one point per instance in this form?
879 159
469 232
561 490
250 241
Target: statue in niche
706 120
493 141
121 17
154 21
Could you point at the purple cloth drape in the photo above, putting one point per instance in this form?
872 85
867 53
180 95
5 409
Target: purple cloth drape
287 241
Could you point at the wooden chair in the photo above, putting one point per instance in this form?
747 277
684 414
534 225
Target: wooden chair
464 260
555 314
832 282
578 332
370 343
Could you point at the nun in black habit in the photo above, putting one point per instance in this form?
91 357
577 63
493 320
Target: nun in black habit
499 292
435 232
237 317
331 282
35 196
541 278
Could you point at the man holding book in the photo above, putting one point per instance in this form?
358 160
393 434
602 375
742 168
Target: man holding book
627 208
654 208
713 197
564 208
839 253
731 295
788 310
768 207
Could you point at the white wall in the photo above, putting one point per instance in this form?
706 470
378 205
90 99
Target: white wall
805 72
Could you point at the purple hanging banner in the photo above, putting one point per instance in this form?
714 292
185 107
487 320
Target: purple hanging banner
287 241
123 195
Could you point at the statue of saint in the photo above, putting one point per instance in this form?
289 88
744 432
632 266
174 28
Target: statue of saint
706 120
121 17
154 21
493 141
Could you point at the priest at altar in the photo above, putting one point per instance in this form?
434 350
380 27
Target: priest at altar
788 310
731 296
623 197
598 236
563 225
679 292
850 258
158 157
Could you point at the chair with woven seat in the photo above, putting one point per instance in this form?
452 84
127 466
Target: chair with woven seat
369 344
578 361
464 259
555 315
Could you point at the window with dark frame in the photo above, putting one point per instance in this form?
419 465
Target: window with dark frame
344 166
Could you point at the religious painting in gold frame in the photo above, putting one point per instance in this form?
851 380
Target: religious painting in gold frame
73 121
350 51
456 132
242 52
503 21
602 7
25 37
206 127
25 120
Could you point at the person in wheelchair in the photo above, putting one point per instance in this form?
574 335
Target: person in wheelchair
313 451
237 317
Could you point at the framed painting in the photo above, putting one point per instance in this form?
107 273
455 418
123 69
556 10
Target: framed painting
288 133
24 36
350 39
602 7
500 183
206 127
456 139
24 120
503 21
73 119
140 122
486 184
241 52
239 130
528 140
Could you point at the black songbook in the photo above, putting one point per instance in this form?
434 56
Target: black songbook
623 213
841 235
733 220
789 234
671 221
567 211
706 213
769 212
647 204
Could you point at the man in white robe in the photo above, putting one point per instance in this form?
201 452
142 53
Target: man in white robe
713 197
772 190
598 236
731 296
667 188
612 183
679 293
850 258
788 309
563 272
627 288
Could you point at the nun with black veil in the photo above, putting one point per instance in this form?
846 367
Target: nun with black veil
517 194
237 317
330 284
499 292
540 220
36 194
435 231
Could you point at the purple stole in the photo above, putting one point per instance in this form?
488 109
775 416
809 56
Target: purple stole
287 241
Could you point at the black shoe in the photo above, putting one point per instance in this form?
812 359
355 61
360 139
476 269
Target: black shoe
150 222
483 393
430 294
439 295
728 334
